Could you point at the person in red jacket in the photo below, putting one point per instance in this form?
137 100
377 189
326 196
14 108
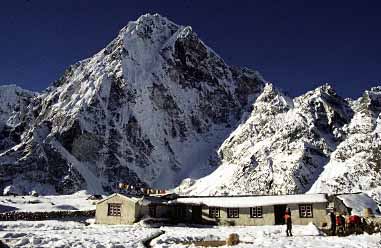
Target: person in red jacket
354 223
287 218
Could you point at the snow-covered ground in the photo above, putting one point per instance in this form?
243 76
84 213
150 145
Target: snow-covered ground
264 236
74 234
55 233
77 201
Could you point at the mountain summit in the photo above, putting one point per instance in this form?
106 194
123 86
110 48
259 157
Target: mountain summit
151 109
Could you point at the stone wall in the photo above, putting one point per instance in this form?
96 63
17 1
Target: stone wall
35 216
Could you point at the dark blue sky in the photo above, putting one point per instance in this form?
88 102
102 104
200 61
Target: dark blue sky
297 45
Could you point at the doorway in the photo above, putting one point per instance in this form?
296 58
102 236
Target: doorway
196 214
279 211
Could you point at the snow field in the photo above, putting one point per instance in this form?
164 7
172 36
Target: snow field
74 234
264 236
55 234
77 201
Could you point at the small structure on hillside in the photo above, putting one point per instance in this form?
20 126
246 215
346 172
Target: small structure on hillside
94 197
34 193
11 191
216 210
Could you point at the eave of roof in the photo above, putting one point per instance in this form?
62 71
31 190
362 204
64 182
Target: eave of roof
251 201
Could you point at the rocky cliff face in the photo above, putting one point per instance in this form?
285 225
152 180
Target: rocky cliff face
318 142
14 102
356 162
151 108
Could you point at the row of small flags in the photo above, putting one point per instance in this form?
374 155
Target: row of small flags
146 191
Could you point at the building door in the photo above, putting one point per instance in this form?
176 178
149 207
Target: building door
279 211
196 214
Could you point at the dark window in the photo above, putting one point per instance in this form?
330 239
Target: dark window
180 212
256 212
114 209
214 212
305 211
233 212
152 211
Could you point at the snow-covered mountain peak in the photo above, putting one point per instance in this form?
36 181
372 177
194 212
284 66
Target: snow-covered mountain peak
11 91
152 21
150 28
276 98
327 109
322 94
138 111
12 98
372 99
326 89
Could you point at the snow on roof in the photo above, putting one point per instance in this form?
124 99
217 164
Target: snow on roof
252 201
358 202
147 200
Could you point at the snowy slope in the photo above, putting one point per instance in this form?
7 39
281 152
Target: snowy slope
77 201
151 108
317 143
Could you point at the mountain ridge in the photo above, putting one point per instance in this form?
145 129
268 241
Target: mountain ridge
289 146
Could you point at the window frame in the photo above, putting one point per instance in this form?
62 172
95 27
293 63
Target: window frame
214 212
307 213
254 212
180 212
114 209
232 213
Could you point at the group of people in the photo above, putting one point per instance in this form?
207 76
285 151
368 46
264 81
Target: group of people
338 223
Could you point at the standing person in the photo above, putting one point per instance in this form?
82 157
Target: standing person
332 217
340 224
287 218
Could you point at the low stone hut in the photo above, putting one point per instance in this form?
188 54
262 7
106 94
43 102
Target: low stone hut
254 210
117 209
129 208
